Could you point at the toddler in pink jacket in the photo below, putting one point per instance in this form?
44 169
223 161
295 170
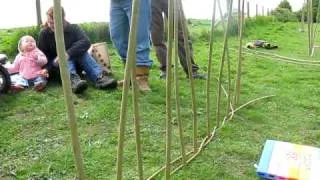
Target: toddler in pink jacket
28 63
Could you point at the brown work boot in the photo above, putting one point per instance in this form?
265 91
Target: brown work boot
142 82
142 76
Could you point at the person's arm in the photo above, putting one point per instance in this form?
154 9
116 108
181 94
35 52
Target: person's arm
41 59
14 68
82 43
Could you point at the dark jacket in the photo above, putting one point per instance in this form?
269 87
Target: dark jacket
76 42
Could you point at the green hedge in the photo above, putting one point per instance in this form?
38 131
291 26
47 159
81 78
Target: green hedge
97 32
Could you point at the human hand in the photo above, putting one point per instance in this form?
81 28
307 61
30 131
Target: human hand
56 60
44 73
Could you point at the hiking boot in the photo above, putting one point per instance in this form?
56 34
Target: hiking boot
78 85
105 82
143 84
142 76
196 75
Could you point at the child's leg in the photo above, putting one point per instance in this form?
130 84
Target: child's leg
19 84
40 83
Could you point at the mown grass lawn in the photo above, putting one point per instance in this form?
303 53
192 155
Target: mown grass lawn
35 140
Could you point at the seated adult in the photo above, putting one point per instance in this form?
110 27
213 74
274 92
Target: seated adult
77 44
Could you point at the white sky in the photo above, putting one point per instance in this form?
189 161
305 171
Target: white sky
20 13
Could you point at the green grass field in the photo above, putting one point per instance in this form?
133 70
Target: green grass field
35 139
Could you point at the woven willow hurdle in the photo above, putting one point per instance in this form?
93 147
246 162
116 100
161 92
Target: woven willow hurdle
175 17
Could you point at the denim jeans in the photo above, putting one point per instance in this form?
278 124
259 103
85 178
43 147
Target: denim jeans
120 18
85 62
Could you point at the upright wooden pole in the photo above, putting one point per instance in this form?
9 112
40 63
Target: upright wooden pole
125 92
66 85
302 16
309 7
176 78
262 10
248 9
257 10
239 69
38 8
191 80
225 47
209 126
169 89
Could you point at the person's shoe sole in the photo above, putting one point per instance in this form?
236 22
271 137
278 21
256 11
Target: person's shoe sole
112 85
82 86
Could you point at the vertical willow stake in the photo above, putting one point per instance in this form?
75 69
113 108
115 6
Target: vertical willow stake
239 11
309 7
132 61
176 77
239 69
169 90
59 37
209 126
248 9
188 57
302 16
128 71
225 42
228 60
314 35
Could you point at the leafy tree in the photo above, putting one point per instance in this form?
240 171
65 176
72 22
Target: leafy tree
284 15
284 4
283 12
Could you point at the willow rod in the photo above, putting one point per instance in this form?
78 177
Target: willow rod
225 41
283 60
66 85
176 77
209 126
169 89
248 9
282 57
314 35
239 69
136 111
129 67
239 11
163 167
302 16
188 58
309 10
228 60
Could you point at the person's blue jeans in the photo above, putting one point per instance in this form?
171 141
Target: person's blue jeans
120 18
86 63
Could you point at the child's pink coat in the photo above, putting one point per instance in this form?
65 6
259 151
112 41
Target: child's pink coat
28 64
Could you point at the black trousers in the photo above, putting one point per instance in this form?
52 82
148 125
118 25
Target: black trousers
158 9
